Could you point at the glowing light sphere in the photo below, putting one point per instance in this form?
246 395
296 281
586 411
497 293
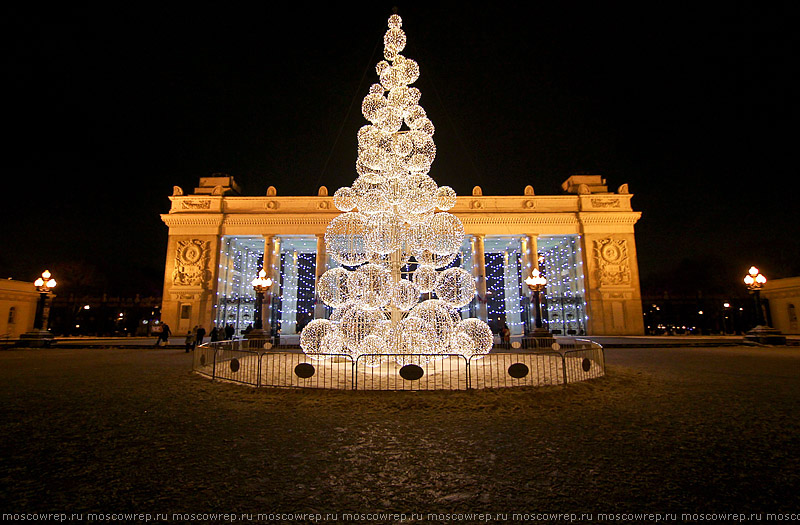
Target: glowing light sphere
438 323
414 338
332 287
344 199
371 104
395 21
445 198
376 285
312 335
344 238
394 39
405 295
372 201
393 190
357 324
385 232
372 348
420 194
413 113
402 144
472 337
447 234
425 278
456 287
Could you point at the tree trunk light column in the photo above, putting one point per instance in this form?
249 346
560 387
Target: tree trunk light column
320 268
530 249
480 276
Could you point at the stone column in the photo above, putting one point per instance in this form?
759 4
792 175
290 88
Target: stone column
320 268
480 276
530 258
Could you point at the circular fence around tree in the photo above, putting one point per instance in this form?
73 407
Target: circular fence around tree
540 363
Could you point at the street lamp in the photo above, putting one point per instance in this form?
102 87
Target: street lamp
40 336
762 333
536 282
261 285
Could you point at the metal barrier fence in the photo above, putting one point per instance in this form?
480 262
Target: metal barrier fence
412 372
539 368
239 361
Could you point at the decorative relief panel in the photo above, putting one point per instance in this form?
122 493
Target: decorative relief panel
196 204
191 263
605 203
613 266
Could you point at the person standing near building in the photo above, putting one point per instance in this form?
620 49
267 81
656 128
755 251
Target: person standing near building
200 333
229 332
189 342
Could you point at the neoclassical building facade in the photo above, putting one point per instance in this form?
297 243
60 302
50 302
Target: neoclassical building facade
582 240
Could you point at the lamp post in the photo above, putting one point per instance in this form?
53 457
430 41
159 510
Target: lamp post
40 336
536 282
261 285
762 333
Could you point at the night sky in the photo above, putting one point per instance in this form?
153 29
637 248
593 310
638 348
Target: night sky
108 109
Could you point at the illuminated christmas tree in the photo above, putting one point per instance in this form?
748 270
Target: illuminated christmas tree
395 217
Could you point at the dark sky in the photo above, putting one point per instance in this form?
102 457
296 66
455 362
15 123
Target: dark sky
108 109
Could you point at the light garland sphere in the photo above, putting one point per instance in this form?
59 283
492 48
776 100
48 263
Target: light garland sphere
389 119
356 287
357 324
376 89
414 95
394 190
409 70
389 54
402 145
368 136
401 97
372 202
344 239
376 283
373 157
446 198
331 343
332 287
419 236
372 348
420 194
419 164
312 334
413 113
344 198
391 78
447 234
405 295
395 21
372 104
438 322
382 66
385 232
425 126
455 287
395 39
338 313
414 338
472 337
423 144
425 278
